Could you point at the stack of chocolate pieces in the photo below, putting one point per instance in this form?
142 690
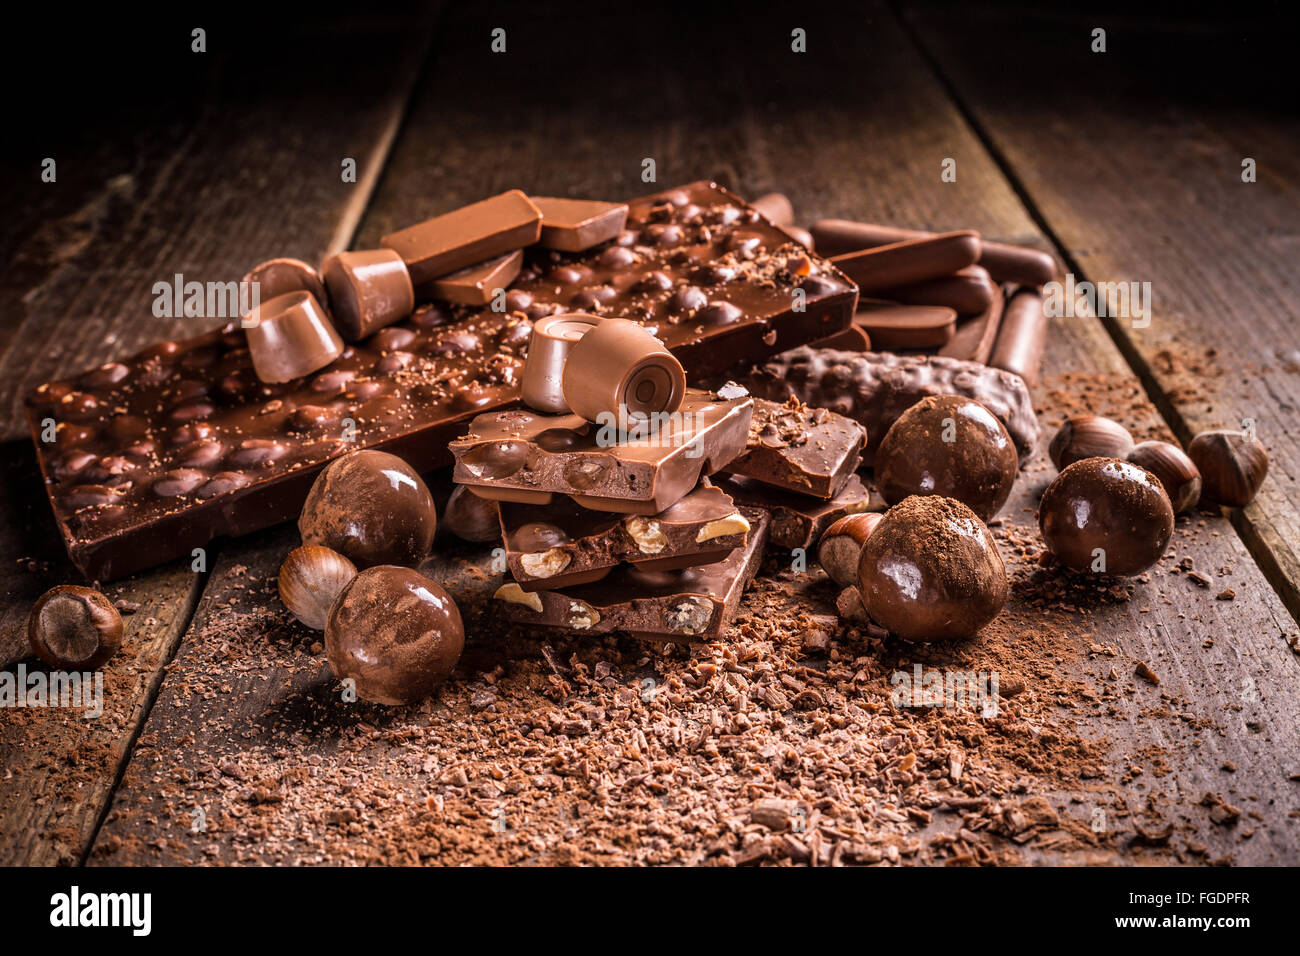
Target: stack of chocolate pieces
799 465
607 529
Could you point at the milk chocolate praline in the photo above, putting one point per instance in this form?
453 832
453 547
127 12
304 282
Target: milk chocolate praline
1107 516
930 571
372 508
952 446
396 633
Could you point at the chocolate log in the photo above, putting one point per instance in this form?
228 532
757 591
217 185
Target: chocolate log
876 387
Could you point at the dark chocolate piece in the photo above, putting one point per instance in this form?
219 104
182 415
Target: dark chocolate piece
476 285
692 604
575 225
562 544
791 446
874 388
466 236
892 327
157 454
1022 335
974 338
852 339
968 291
798 520
521 455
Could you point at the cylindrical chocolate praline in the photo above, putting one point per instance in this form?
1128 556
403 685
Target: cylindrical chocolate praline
548 349
290 336
275 277
369 289
620 367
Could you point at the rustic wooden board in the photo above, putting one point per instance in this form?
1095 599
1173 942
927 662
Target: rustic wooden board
230 192
250 729
1134 157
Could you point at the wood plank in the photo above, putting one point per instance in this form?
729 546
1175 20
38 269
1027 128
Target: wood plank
255 175
542 749
1135 159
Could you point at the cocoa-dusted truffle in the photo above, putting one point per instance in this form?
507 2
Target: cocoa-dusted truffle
952 446
930 571
1107 516
371 507
396 633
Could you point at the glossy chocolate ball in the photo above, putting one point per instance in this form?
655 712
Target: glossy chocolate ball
74 628
372 508
951 446
930 571
396 633
1106 516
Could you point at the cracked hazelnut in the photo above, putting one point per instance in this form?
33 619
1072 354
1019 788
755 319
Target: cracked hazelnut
722 527
74 628
689 616
310 579
1176 471
513 594
647 534
841 546
1233 465
582 615
544 564
1089 436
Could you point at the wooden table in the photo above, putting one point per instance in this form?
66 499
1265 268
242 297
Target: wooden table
1111 161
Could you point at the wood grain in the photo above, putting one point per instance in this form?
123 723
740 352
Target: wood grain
1134 158
249 684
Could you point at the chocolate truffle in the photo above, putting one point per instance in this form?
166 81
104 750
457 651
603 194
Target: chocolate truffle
1107 516
951 446
372 508
930 571
396 633
74 628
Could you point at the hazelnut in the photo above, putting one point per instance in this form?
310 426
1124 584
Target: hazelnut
722 527
1179 475
582 615
1233 466
310 579
841 546
472 518
690 615
1089 436
646 532
74 628
513 594
544 564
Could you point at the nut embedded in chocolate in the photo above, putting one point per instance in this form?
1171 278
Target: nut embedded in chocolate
1106 516
74 628
1232 464
931 571
472 518
396 633
371 507
951 446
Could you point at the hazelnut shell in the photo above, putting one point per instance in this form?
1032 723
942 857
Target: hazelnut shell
1088 436
1232 466
74 628
310 579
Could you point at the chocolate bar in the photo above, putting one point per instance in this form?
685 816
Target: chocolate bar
477 284
563 544
874 388
574 225
157 454
466 236
811 451
692 604
525 456
799 520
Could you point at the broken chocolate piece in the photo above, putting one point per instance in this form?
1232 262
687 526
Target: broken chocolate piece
574 225
465 236
792 446
798 520
476 285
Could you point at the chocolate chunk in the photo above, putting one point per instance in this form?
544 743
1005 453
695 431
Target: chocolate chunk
874 388
807 450
520 455
477 284
692 604
465 236
369 289
562 544
799 520
574 225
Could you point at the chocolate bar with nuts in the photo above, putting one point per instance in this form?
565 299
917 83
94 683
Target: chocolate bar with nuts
875 388
811 451
799 520
692 604
563 544
526 456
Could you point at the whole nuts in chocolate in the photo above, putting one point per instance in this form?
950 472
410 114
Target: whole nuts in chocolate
1177 473
1106 516
311 577
394 632
1088 436
840 548
951 446
931 571
371 507
74 628
1233 465
472 518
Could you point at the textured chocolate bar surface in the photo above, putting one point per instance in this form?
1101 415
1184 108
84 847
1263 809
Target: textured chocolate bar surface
811 451
158 454
875 388
692 604
563 544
